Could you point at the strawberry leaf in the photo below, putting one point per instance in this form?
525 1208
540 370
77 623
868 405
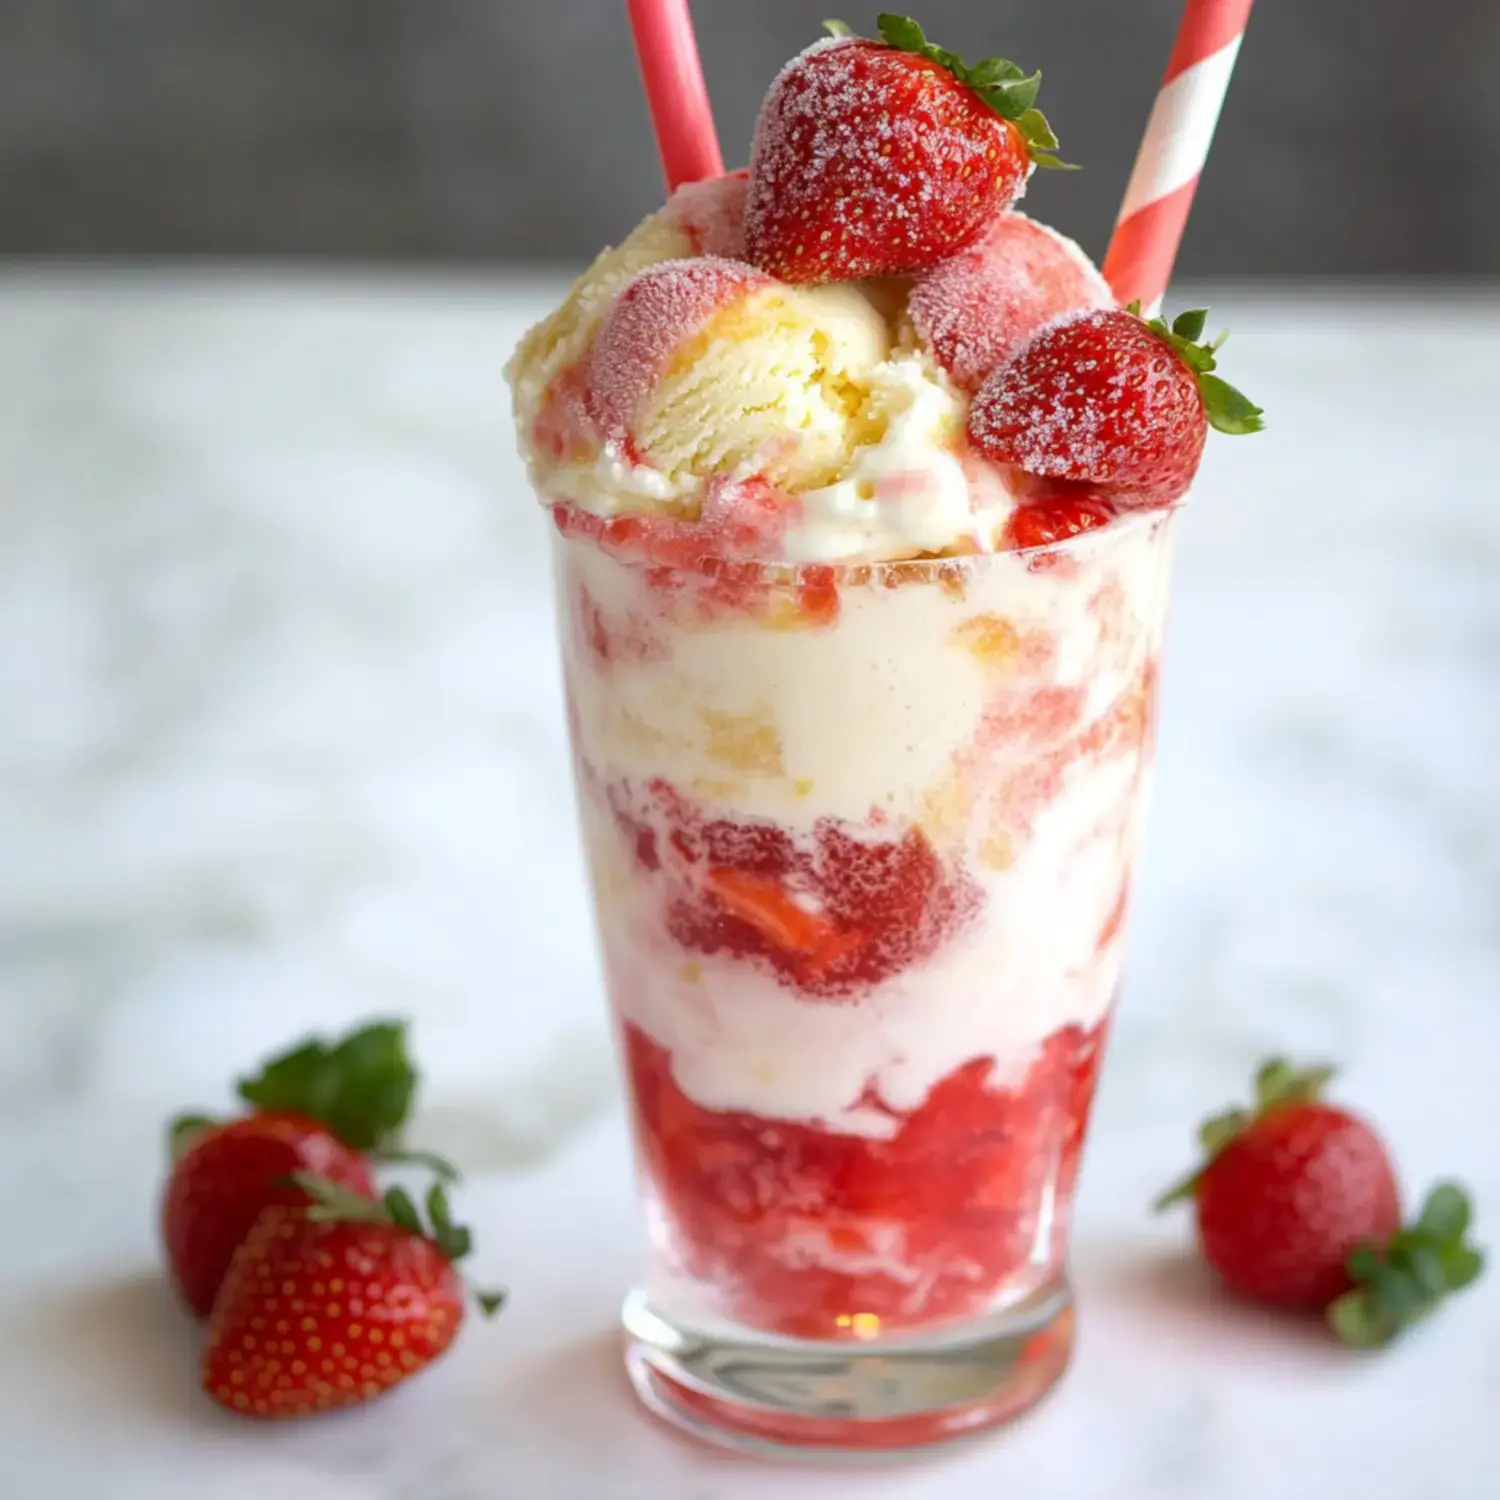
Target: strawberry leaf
1445 1214
1189 325
1033 125
1277 1082
902 32
1012 99
838 28
1227 409
991 71
1407 1279
333 1204
1002 84
438 1165
361 1087
185 1132
402 1211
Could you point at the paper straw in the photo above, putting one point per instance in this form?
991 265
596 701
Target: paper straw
1149 228
675 91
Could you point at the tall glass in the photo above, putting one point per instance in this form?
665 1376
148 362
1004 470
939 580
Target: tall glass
860 841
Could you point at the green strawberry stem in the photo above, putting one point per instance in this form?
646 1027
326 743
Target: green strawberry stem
1277 1084
185 1132
1002 84
1227 409
360 1086
335 1204
1406 1279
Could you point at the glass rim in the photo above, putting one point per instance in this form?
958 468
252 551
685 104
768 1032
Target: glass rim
591 529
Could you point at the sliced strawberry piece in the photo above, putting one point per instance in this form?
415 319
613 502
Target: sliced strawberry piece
976 309
1105 398
1040 523
659 311
878 158
774 913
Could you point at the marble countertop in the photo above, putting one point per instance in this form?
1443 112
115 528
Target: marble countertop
281 745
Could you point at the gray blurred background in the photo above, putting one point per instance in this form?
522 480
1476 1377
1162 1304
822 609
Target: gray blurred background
1359 139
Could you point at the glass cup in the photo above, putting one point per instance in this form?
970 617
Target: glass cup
860 840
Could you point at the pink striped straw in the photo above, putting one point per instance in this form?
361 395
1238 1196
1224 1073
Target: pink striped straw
675 90
1149 228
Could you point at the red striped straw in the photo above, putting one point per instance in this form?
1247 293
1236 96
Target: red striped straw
1138 265
675 91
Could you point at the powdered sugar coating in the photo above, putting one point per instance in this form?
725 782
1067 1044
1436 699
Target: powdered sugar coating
976 309
869 161
658 311
1096 397
712 214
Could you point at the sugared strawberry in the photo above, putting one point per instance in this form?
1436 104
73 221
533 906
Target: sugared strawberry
1105 398
320 1107
652 318
879 158
974 310
1040 523
1290 1189
1298 1207
333 1304
712 214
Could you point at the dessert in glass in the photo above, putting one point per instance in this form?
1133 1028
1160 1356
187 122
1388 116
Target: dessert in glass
861 581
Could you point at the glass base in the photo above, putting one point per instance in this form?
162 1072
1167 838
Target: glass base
776 1396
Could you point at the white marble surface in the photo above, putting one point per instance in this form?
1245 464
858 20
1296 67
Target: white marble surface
280 745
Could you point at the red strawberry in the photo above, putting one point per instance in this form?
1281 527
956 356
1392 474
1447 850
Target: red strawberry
332 1305
1290 1191
1040 523
1105 398
879 158
227 1175
976 309
320 1107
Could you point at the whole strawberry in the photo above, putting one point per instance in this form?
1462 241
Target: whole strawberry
1106 398
1298 1207
873 158
1290 1189
223 1178
334 1301
319 1109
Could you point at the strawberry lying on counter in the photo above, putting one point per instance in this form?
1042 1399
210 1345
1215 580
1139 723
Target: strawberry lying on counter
321 1292
1298 1206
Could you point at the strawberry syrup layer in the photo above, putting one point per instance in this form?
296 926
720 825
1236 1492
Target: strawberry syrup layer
860 840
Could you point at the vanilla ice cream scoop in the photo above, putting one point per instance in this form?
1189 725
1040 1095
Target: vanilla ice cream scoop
706 367
676 377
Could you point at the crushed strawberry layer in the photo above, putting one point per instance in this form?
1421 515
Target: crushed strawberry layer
811 1233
